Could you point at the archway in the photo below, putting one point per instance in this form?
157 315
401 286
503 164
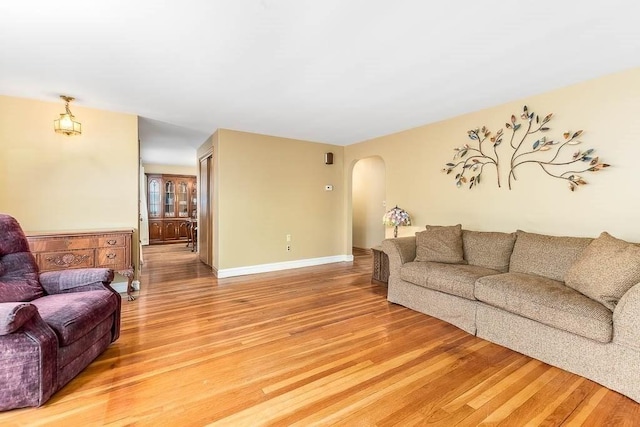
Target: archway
368 196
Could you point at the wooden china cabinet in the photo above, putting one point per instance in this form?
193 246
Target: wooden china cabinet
172 202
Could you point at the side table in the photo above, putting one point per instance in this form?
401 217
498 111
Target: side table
380 273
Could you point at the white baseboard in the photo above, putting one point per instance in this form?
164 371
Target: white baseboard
120 287
277 266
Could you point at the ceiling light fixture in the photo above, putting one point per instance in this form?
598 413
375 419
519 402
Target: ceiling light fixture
66 123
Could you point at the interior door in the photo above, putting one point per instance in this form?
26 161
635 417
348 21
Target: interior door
144 213
205 222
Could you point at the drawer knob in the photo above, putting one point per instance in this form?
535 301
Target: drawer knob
111 242
111 256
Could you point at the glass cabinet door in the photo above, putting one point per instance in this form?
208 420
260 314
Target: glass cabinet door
169 199
183 199
194 199
155 204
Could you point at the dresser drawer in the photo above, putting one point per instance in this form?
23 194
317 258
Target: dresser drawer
115 241
112 258
63 260
62 244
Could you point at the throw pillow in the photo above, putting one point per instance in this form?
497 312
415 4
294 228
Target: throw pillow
440 244
607 269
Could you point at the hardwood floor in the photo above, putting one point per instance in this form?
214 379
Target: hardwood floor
313 346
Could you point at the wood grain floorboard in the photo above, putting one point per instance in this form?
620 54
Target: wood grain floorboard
313 346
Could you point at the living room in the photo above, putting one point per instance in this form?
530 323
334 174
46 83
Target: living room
269 182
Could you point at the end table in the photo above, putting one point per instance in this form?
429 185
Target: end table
380 273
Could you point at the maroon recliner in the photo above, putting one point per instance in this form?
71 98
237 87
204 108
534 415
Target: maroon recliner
52 325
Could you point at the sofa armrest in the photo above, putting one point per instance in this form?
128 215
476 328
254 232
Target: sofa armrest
626 318
29 357
15 314
77 280
400 251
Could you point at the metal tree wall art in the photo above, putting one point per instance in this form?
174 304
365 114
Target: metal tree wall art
469 162
473 165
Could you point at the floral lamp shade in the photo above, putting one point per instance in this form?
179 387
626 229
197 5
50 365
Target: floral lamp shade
396 217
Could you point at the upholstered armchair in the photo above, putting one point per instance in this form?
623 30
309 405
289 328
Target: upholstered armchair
52 325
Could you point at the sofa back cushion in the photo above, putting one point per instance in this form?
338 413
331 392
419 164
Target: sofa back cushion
547 256
488 249
606 270
18 269
440 244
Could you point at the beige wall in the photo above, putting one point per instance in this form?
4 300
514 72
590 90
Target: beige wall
606 108
368 195
171 169
269 187
53 182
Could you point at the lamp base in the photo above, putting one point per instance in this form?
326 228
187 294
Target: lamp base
395 232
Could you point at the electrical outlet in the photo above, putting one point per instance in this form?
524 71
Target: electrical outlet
288 248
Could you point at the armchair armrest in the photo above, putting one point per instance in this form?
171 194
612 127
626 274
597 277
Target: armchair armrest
57 282
626 318
29 350
15 314
400 251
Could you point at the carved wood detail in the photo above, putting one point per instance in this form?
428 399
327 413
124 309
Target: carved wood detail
67 260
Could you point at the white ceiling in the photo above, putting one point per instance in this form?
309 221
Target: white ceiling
335 71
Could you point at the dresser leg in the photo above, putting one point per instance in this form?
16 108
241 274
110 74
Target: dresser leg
129 275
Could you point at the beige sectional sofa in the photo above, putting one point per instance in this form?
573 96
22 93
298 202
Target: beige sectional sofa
571 302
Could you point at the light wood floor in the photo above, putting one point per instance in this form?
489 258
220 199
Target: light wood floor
314 346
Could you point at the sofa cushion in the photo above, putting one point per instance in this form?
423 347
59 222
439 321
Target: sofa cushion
19 278
72 315
454 279
607 268
547 256
18 268
70 353
488 249
440 244
547 301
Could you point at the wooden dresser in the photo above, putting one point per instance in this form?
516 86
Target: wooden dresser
84 249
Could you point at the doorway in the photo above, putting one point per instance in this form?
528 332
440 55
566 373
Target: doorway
368 195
